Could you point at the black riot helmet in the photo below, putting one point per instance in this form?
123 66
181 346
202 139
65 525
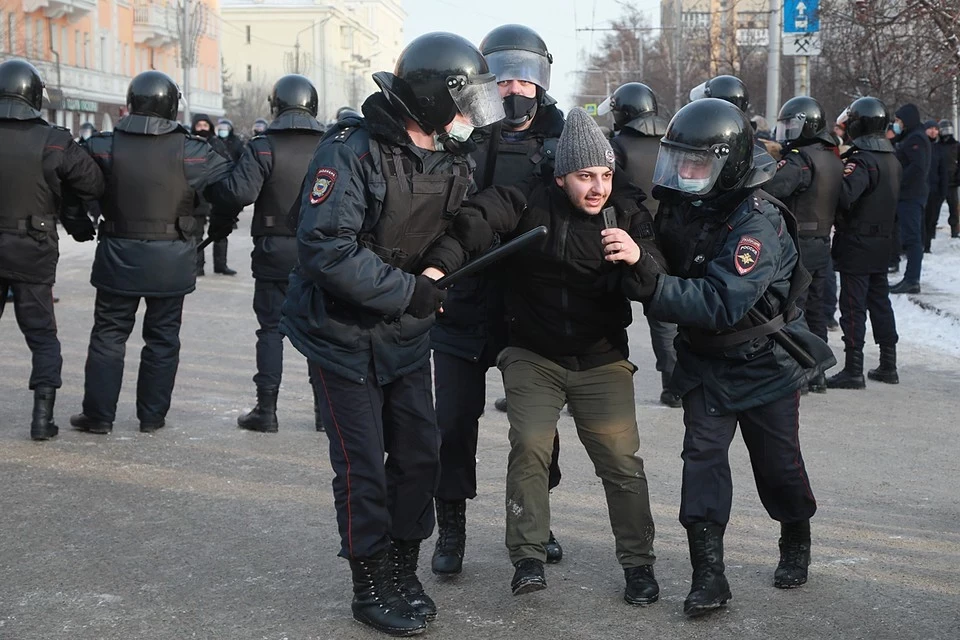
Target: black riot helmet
437 76
20 80
867 116
802 121
708 150
634 105
153 93
293 91
516 52
946 129
729 88
260 126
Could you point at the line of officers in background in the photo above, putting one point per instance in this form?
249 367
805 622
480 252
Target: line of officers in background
147 174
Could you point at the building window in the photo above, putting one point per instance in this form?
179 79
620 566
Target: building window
87 51
28 36
77 49
42 50
104 58
12 24
248 34
249 73
64 45
346 37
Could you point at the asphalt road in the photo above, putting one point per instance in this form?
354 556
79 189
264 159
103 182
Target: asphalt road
206 531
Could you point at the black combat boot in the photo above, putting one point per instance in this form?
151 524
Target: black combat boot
887 371
851 377
794 555
42 426
220 258
263 417
642 587
377 601
709 589
406 554
905 286
83 422
528 577
818 383
451 537
553 549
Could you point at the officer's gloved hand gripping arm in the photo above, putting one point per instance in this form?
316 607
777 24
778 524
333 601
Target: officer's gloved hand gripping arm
80 180
333 207
735 279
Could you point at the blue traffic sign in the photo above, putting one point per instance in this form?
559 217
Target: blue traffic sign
801 16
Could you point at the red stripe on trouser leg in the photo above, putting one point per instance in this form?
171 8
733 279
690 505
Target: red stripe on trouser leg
346 456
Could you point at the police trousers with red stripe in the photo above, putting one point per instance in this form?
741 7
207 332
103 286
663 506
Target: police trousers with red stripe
380 499
771 433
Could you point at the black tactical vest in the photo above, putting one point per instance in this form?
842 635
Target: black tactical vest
147 191
816 207
517 160
292 153
27 201
873 214
417 210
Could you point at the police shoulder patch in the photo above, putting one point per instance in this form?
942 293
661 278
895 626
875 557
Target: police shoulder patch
747 255
849 168
322 185
781 163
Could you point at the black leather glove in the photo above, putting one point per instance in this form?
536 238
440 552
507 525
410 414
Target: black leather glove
472 232
426 299
84 232
219 228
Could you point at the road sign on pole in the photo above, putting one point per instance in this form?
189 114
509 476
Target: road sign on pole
801 44
801 16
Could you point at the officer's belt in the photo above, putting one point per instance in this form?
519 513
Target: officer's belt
19 226
135 228
703 341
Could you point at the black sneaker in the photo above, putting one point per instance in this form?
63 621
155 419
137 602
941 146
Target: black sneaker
528 577
642 587
553 549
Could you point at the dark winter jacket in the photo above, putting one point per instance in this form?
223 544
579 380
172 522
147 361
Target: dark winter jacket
725 258
36 184
636 158
473 325
345 306
950 149
564 301
913 152
154 268
274 256
938 179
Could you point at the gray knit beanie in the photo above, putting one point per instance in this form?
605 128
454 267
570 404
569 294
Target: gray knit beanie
582 145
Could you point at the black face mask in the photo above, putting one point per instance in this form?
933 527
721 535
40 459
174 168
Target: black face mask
519 110
203 134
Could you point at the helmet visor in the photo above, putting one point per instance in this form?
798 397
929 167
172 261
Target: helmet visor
605 107
789 129
699 91
946 130
692 171
516 64
477 98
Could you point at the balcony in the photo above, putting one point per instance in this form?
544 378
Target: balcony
54 9
154 24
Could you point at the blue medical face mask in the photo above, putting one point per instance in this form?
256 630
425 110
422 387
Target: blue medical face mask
897 128
223 133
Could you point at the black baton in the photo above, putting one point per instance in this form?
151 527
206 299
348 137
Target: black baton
490 257
786 341
206 243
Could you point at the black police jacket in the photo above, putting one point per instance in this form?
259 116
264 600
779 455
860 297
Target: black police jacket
346 299
725 258
867 210
636 155
938 179
42 170
154 169
808 181
269 175
473 325
914 154
564 300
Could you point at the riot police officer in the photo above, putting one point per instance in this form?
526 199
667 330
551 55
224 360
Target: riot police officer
639 127
861 245
270 173
808 181
471 331
41 168
154 169
378 221
259 126
729 88
735 277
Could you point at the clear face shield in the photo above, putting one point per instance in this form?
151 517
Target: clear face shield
789 129
477 98
699 92
692 171
520 65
